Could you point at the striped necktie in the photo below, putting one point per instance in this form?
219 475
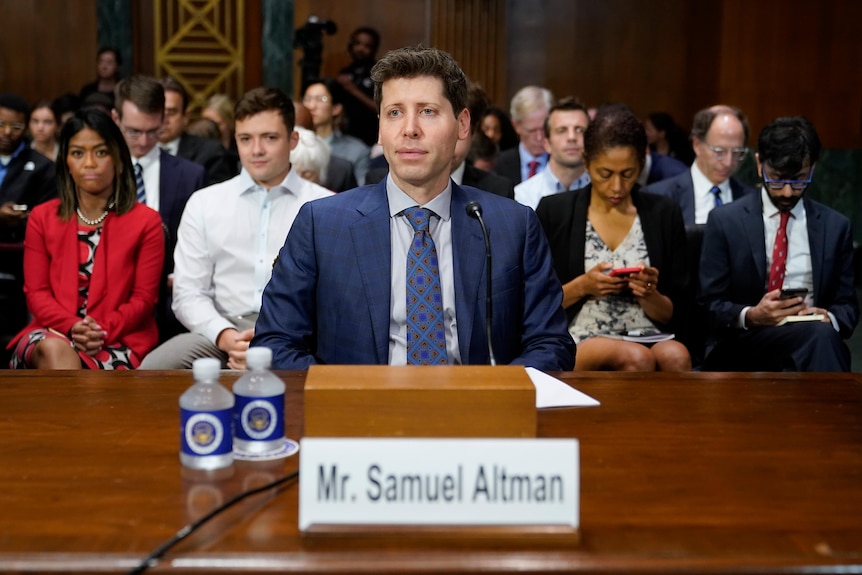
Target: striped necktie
139 183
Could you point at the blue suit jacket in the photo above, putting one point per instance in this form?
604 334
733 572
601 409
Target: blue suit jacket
178 180
681 189
664 167
733 270
329 297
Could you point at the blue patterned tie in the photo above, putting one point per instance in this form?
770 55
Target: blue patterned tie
716 191
139 183
426 336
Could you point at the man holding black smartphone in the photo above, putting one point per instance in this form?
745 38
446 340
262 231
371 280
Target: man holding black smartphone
773 262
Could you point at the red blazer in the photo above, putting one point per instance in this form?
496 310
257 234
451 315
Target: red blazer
124 287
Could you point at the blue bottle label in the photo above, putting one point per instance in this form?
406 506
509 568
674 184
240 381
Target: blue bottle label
206 432
258 418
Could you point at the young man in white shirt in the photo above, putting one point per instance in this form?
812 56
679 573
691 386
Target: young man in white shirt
230 235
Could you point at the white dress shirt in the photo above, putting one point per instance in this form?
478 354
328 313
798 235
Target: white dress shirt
171 147
152 168
530 192
227 242
402 234
704 200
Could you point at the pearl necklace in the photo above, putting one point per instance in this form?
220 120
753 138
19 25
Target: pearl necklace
98 220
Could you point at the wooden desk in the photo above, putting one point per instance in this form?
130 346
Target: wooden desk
708 473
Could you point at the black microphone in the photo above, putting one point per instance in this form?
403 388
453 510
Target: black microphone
474 210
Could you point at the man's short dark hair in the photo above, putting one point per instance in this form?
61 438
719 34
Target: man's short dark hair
144 92
170 84
375 36
15 103
615 126
567 104
416 61
263 100
703 120
786 143
113 50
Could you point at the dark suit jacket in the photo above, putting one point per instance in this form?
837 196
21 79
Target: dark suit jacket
564 219
126 272
30 180
473 176
681 189
208 153
508 165
733 270
178 180
664 167
329 297
339 175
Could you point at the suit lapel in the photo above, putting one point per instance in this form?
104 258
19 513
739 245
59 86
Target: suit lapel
685 197
752 223
372 246
816 245
468 255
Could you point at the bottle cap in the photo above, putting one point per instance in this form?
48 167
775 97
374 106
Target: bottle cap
258 358
206 369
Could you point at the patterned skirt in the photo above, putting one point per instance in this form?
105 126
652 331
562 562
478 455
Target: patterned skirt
109 357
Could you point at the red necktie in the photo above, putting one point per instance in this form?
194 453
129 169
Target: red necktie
779 255
534 166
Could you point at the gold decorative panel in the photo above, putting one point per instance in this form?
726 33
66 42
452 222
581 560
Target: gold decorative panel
200 43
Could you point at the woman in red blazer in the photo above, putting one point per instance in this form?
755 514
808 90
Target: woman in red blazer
92 259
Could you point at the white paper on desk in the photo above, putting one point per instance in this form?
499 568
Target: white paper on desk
551 392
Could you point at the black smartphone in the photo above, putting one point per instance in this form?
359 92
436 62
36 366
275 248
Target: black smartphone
793 292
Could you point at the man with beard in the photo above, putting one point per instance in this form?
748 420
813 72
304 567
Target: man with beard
359 106
564 141
762 246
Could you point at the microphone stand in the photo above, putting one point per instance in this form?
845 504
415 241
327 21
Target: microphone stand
474 210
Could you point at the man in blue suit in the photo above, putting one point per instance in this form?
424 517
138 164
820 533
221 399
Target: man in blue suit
338 290
718 135
763 244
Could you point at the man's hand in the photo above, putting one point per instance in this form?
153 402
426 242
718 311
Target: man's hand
88 336
235 344
10 216
770 309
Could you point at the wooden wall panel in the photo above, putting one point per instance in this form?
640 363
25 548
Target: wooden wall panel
47 48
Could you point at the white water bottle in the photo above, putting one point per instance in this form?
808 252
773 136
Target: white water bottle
258 415
206 408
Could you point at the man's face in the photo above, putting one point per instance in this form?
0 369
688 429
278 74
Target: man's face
418 132
319 103
531 130
785 198
264 147
176 119
12 130
717 154
106 65
566 141
362 46
140 129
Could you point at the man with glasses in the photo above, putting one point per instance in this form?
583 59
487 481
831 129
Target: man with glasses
26 176
529 109
776 270
719 135
164 182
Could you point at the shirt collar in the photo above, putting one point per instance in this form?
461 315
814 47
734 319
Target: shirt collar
290 184
149 158
171 147
770 211
702 185
457 174
399 201
527 157
21 145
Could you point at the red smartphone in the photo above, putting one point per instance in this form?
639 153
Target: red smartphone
620 272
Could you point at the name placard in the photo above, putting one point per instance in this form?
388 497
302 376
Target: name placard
407 481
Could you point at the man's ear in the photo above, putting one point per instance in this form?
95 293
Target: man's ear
464 124
115 116
759 166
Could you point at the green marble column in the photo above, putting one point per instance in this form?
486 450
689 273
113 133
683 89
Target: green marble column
114 28
277 44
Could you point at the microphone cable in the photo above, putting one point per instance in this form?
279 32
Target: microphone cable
152 559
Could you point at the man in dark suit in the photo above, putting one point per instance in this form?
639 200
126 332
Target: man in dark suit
338 293
660 167
173 138
529 108
719 135
765 243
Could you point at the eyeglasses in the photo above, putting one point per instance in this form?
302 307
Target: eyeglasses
736 154
797 185
318 99
135 133
15 128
